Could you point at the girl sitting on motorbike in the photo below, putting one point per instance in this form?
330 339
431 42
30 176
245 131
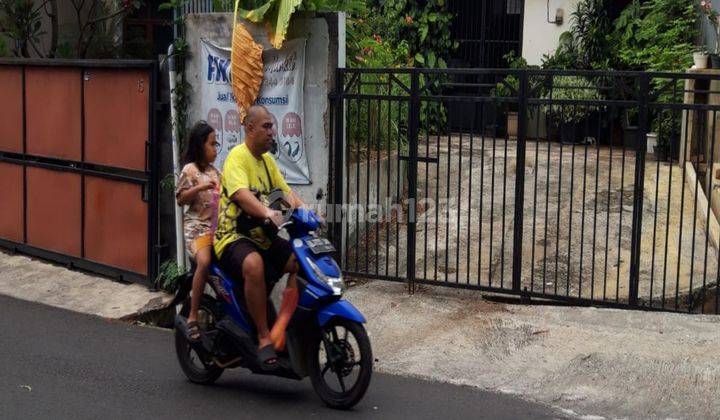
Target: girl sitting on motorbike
198 191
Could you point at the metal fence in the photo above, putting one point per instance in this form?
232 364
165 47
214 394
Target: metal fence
588 187
196 6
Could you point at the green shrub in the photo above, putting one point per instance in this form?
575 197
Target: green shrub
168 275
574 88
588 44
592 31
652 35
656 35
565 56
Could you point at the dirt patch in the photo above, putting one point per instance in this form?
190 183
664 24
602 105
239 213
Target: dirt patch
593 362
610 202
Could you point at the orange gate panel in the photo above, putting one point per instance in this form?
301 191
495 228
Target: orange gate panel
11 204
53 112
11 109
116 224
116 117
54 211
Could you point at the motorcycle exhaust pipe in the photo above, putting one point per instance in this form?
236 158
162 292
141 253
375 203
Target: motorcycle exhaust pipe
222 365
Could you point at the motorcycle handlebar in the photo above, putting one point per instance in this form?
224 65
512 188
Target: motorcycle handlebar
269 222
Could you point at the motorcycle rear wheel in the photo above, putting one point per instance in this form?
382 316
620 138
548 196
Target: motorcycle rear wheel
195 369
334 357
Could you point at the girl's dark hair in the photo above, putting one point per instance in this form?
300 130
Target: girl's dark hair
195 151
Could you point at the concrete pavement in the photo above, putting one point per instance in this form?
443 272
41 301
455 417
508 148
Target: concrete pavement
33 280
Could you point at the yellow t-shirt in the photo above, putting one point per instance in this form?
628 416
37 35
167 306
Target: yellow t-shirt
243 170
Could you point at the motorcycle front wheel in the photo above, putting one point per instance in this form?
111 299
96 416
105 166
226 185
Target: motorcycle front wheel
341 363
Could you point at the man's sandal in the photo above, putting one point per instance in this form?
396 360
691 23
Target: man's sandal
268 358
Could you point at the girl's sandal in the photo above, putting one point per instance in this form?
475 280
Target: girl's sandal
193 331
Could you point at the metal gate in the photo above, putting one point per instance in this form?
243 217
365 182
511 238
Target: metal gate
78 164
558 200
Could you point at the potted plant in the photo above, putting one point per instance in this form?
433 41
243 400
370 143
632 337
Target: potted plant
569 109
667 127
700 58
509 88
712 16
651 139
630 127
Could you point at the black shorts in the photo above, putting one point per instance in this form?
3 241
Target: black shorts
274 258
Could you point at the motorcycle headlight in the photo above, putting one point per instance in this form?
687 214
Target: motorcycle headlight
336 284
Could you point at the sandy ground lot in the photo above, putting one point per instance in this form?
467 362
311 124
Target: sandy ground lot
578 214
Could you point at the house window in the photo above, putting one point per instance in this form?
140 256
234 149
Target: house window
147 31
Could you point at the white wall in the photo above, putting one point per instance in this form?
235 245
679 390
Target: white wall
539 36
707 35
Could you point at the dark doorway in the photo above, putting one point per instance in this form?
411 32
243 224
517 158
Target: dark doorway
148 31
486 30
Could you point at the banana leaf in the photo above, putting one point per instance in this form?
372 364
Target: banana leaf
246 67
275 14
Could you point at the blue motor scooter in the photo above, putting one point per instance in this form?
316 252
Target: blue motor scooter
325 338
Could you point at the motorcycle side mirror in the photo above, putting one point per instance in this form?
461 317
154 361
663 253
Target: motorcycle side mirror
277 200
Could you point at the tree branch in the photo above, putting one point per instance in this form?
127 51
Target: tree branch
109 16
91 13
77 6
83 27
41 6
53 14
93 8
35 48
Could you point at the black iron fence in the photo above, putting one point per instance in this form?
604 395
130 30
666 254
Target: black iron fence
590 187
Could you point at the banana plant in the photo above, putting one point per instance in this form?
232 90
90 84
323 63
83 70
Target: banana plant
275 14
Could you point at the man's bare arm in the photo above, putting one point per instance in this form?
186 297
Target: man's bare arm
295 200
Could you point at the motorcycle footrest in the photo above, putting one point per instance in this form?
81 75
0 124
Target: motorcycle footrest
244 343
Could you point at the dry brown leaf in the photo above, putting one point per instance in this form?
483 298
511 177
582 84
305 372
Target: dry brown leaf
247 68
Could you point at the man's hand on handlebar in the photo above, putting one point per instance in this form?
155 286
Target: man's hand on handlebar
276 217
251 204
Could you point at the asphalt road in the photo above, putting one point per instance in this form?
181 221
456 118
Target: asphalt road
59 364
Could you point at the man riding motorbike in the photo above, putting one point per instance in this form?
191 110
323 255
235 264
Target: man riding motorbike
247 250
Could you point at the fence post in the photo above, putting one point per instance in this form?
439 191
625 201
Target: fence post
639 191
154 244
413 133
520 181
337 145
